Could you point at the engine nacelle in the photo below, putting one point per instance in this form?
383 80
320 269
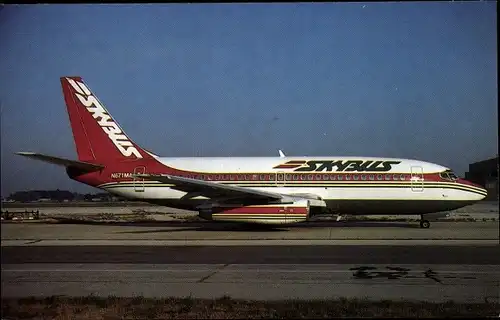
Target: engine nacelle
435 216
297 211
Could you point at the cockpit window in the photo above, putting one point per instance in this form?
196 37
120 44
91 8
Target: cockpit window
448 175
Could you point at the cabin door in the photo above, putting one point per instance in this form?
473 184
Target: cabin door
139 182
417 179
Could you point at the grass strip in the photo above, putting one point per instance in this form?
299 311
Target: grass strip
93 307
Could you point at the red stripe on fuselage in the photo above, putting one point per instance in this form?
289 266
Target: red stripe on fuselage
468 183
266 210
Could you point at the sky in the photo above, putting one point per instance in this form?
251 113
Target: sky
412 80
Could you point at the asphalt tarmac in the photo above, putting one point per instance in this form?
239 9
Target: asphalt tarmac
211 231
293 255
53 259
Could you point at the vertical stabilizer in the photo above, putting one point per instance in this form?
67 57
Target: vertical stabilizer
98 137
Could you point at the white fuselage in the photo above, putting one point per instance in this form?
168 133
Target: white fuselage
340 187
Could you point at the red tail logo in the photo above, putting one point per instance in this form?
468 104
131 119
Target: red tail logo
92 125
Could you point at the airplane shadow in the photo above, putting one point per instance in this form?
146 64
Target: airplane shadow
234 227
241 227
214 227
179 225
359 224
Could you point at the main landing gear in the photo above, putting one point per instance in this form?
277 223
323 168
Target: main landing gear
424 223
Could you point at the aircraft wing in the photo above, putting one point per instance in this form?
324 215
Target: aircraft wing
62 162
208 189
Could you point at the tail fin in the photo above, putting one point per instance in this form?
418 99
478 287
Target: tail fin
98 137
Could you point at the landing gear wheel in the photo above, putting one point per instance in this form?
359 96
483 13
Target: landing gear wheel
425 224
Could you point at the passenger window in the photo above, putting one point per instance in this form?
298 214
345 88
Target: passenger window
372 177
356 177
387 177
380 177
363 177
325 177
309 177
348 177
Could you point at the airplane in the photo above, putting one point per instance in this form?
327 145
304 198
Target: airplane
259 190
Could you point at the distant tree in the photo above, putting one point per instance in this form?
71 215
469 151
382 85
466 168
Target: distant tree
60 195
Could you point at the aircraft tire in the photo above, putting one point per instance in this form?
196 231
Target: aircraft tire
425 224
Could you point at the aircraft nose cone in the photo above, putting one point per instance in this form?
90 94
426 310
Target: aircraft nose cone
480 193
481 188
484 195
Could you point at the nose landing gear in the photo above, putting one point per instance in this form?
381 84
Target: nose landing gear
424 224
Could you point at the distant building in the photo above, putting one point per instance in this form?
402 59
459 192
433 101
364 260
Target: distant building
485 173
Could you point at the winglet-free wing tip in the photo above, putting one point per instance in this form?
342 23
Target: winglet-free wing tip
24 153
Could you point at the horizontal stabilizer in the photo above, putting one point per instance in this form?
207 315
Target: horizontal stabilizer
86 166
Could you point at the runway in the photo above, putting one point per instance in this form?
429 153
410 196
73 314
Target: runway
438 283
380 262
